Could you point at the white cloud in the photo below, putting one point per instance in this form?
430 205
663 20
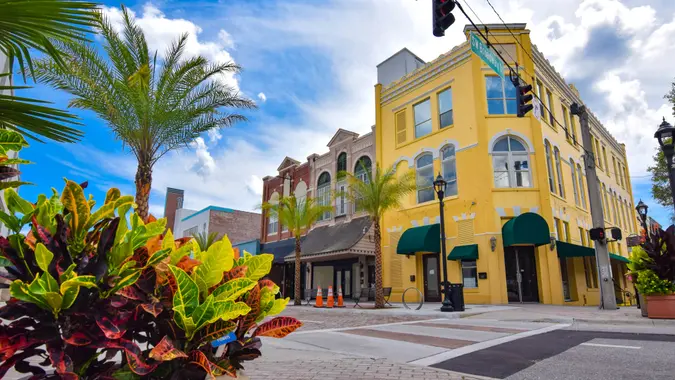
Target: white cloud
205 164
161 32
262 96
214 135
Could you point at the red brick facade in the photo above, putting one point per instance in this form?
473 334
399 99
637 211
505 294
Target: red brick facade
240 226
174 201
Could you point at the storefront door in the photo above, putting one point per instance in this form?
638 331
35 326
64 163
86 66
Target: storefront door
521 274
432 278
343 277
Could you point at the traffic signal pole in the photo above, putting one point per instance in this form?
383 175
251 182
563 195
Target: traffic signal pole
605 282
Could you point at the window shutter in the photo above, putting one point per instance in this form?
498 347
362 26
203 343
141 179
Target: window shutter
465 234
400 128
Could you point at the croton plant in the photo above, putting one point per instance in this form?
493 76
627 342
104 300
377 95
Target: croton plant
106 295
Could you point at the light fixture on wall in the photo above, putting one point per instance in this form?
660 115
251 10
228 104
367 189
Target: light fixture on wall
552 245
493 243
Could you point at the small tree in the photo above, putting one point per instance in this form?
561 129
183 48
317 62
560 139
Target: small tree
298 216
379 193
660 181
205 240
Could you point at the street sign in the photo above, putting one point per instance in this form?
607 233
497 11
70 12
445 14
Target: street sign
536 108
487 55
633 241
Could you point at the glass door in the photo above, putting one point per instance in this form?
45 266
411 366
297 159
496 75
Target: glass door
432 279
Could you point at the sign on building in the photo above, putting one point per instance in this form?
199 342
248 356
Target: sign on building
487 55
536 108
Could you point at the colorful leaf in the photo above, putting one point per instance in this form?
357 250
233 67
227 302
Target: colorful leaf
78 281
123 204
165 351
68 273
233 289
168 242
259 266
78 339
112 195
69 297
279 306
270 285
236 272
109 328
11 140
184 250
187 264
216 330
20 290
130 278
203 314
187 293
73 200
157 257
217 259
229 310
253 301
105 211
278 327
198 358
16 204
131 292
60 361
154 308
135 359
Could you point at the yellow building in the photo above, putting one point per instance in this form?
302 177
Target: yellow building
516 208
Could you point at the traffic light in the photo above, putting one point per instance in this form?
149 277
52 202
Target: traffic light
616 233
523 97
442 18
597 233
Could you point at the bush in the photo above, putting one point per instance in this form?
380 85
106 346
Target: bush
87 286
648 283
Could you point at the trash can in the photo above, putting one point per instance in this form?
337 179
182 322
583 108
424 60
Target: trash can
457 296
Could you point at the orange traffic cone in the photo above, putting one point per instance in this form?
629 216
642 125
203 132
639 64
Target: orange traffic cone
331 301
319 298
340 300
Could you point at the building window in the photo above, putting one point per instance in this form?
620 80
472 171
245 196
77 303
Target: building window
582 190
566 231
501 96
272 224
604 155
573 129
540 92
582 236
362 171
616 172
449 166
422 113
323 193
616 208
179 202
549 166
342 163
575 183
510 163
598 159
401 130
341 206
558 168
469 274
425 178
621 170
607 210
191 231
549 99
445 108
568 132
591 272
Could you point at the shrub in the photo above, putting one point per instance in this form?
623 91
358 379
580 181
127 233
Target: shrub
648 283
87 286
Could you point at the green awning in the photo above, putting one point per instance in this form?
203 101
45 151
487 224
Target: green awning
619 258
526 229
420 239
464 252
573 250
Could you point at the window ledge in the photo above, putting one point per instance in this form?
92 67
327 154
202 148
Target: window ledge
581 208
516 189
559 197
419 205
501 116
416 139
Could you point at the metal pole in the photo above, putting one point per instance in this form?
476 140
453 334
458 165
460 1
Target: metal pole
668 151
447 304
607 299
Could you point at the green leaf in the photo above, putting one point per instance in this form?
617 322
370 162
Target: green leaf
157 257
69 297
4 262
233 289
20 291
78 281
228 310
28 216
279 306
13 184
16 204
68 273
217 259
11 140
10 221
49 283
125 374
259 266
73 200
204 313
54 300
123 204
129 279
169 243
38 287
112 195
185 250
105 211
15 161
187 292
43 256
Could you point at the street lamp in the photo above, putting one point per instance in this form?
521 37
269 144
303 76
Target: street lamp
439 187
665 136
641 209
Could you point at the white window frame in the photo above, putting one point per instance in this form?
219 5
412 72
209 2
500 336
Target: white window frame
582 191
504 99
559 173
451 110
416 124
510 157
548 151
451 160
341 204
417 176
575 183
469 264
323 196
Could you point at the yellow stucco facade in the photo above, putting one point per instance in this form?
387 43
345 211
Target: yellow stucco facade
414 131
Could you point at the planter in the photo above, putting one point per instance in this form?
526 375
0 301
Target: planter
643 305
661 306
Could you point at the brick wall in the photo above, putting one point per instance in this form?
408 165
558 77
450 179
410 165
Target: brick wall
297 173
239 226
174 201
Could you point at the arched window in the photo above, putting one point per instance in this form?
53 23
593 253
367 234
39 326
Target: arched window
582 190
323 193
558 169
608 212
425 178
549 166
510 163
362 168
342 163
272 218
575 183
449 166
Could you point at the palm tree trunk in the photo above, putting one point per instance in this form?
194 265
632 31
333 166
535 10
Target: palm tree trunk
143 185
379 291
298 297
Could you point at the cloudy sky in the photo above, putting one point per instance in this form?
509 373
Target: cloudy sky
311 67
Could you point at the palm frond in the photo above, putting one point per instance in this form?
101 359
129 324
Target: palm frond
296 215
205 240
34 24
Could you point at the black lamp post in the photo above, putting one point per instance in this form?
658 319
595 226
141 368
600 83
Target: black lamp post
439 187
641 209
665 135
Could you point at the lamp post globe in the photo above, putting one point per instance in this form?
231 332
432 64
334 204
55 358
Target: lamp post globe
664 134
641 209
439 187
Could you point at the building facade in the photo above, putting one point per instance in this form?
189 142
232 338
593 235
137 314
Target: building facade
517 211
338 250
239 226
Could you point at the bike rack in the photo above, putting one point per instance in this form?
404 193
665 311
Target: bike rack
418 292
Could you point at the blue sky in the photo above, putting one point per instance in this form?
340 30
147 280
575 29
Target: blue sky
310 66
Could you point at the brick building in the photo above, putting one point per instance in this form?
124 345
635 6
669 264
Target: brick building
239 226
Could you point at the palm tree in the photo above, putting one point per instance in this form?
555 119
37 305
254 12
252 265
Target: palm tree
152 107
205 240
377 194
35 24
298 217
